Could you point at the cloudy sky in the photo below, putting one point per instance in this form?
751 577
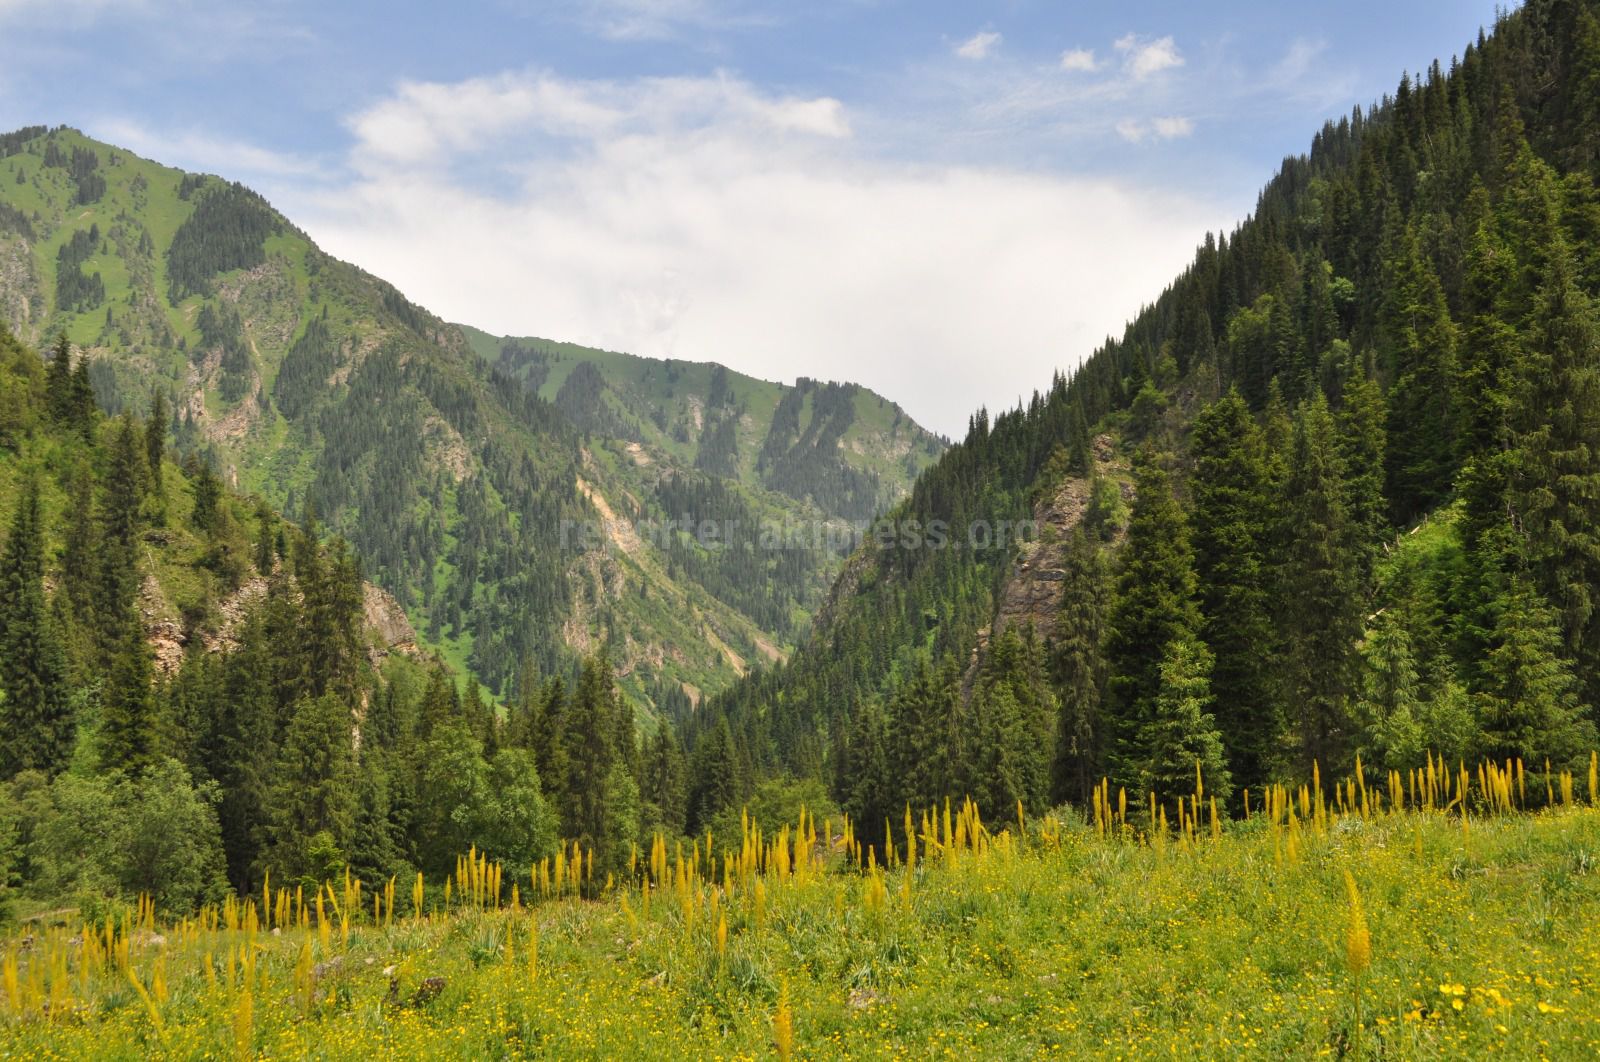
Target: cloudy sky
944 201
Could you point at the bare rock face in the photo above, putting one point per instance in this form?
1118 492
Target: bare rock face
1032 592
387 621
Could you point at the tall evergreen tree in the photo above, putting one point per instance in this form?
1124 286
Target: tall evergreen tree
1420 341
36 722
118 578
312 808
1556 478
1155 604
1181 733
1528 705
1320 611
128 724
1233 517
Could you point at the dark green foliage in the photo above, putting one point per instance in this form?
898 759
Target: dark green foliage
1556 467
313 801
1420 340
1155 605
1013 725
1529 700
1233 525
303 377
86 174
36 718
77 292
227 230
1078 667
1320 612
128 738
1181 734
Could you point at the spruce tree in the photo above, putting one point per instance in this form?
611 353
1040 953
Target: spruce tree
1155 604
1557 464
1320 615
36 723
314 791
1181 732
58 382
155 436
1363 443
1233 518
550 747
1528 698
591 751
128 738
118 580
1079 668
665 789
1420 342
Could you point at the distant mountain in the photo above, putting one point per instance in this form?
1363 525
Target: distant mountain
836 448
319 385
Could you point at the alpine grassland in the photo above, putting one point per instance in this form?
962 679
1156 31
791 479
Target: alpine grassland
1444 911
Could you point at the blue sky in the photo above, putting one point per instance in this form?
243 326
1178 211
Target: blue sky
851 188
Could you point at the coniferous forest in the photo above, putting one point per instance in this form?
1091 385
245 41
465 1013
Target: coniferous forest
1236 695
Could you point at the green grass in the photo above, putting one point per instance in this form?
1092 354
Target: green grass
1064 944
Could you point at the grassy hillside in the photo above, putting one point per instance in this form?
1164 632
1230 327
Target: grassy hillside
312 382
1463 937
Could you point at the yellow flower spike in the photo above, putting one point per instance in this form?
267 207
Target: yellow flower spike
783 1025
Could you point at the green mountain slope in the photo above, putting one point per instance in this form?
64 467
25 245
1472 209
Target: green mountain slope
837 449
1332 494
315 383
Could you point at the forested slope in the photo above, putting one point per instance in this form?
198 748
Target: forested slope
1364 439
307 380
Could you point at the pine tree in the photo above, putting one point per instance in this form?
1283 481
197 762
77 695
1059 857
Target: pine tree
207 494
550 747
591 751
665 789
1155 604
58 382
314 801
714 774
1181 731
118 579
1556 475
1233 517
1363 443
1528 701
1420 341
1079 668
1390 706
871 797
36 723
1015 718
155 449
128 724
266 538
1320 612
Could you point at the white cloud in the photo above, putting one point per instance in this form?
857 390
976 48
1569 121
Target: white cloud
1169 128
1143 58
705 219
1079 59
980 45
